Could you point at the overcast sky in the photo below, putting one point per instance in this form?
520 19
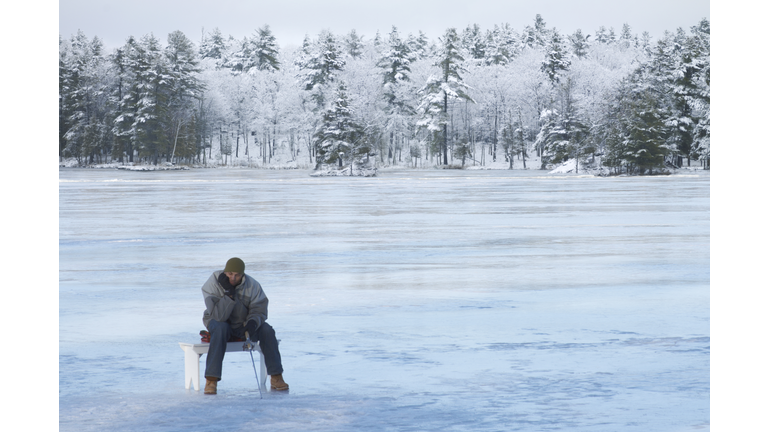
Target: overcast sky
291 20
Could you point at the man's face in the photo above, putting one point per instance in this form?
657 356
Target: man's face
234 278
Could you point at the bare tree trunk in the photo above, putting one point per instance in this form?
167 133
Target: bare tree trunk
445 130
175 140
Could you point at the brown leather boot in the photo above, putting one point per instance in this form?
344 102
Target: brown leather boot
210 385
278 383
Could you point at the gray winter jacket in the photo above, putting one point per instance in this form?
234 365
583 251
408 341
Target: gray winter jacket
250 302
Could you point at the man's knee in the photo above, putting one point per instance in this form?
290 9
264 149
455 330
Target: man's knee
219 328
266 330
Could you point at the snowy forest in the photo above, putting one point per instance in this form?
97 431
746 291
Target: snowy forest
614 99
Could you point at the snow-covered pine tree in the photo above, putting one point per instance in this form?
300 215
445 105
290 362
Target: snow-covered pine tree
64 113
184 89
564 135
626 39
636 137
242 58
601 35
668 78
303 54
555 58
528 37
265 50
540 32
645 43
354 44
395 64
513 141
378 42
440 89
462 149
320 66
213 45
646 143
419 46
473 42
501 45
338 136
698 46
125 98
152 79
691 92
84 98
579 44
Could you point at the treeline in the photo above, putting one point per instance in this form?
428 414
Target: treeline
470 96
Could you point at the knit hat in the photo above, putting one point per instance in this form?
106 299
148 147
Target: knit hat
235 265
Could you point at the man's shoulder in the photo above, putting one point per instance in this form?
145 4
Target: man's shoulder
250 281
212 280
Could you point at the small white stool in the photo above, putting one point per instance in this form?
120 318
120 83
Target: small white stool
192 353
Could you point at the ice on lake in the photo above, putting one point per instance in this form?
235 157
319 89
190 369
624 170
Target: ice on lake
412 301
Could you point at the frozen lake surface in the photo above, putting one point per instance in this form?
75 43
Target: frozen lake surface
412 301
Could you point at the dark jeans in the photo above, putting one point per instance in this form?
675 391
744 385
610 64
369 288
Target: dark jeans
220 334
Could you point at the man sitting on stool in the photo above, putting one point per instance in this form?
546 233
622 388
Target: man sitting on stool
234 304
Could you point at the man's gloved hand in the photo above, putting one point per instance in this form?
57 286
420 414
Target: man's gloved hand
251 329
229 290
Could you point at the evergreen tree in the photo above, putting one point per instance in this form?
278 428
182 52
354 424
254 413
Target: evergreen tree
83 98
645 140
265 50
183 66
395 63
339 137
579 44
242 59
528 38
636 135
152 78
320 66
645 42
500 45
354 44
439 90
513 139
626 38
601 35
63 95
462 149
183 89
671 75
698 46
556 60
378 43
213 46
419 46
125 96
540 31
473 42
564 134
508 143
304 54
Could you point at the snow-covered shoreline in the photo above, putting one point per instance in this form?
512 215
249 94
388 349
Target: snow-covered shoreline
568 167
